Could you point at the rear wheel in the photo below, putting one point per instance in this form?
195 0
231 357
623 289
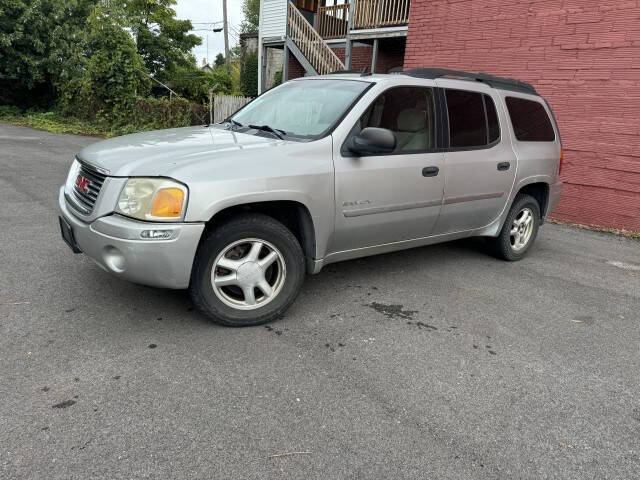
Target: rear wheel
519 230
247 271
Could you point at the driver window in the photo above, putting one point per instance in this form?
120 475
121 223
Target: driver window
409 113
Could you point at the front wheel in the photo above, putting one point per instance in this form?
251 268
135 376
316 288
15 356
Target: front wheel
247 271
519 230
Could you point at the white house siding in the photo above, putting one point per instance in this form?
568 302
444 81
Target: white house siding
273 27
273 19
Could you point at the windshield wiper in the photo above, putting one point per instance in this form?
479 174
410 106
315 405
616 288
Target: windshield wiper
266 128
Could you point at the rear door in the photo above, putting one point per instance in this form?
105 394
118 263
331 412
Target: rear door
393 197
479 165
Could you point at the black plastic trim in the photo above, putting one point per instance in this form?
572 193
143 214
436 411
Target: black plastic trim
502 83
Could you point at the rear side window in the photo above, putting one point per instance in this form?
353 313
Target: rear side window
530 120
467 123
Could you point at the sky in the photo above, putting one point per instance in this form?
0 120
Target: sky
211 11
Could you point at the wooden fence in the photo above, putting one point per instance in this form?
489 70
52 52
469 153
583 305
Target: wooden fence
226 105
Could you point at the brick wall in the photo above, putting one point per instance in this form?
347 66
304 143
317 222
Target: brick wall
388 57
583 56
360 58
295 69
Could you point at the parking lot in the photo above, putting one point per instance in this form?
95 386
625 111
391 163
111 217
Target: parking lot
439 362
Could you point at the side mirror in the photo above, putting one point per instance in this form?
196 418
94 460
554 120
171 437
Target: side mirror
372 140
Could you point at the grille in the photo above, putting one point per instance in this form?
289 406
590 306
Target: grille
86 201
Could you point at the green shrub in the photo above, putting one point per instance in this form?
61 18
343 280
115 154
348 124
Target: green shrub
277 78
249 76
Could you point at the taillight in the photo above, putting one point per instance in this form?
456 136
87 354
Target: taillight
561 161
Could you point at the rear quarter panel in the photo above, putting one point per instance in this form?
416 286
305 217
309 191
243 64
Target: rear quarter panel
537 161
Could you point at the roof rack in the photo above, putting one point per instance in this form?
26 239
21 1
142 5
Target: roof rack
364 72
495 82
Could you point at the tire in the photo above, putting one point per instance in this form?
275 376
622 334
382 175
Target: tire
242 268
508 246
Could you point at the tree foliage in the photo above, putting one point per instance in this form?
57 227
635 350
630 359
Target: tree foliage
249 75
162 40
41 47
251 12
96 60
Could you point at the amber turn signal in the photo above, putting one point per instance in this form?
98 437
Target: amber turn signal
168 203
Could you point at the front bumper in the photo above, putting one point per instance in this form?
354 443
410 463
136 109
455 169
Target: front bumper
114 243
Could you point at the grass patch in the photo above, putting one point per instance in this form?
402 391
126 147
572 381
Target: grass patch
49 122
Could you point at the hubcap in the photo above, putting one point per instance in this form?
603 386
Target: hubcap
521 230
248 274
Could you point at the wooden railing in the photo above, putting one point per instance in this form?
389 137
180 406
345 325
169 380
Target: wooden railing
380 13
333 21
311 44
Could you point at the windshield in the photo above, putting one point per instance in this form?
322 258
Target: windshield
303 108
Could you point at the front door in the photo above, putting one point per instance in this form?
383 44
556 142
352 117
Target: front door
389 198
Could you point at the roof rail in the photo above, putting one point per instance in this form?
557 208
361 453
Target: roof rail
364 72
495 82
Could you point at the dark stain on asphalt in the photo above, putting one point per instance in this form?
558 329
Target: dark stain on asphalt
392 311
423 325
117 377
333 348
492 352
65 404
44 429
76 379
152 345
274 330
69 310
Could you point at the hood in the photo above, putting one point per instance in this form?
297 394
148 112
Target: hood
160 152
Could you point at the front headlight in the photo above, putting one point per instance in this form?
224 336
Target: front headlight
155 199
71 176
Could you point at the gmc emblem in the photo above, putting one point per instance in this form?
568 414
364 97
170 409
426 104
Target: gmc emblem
83 183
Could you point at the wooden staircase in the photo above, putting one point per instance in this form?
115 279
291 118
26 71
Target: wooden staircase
309 48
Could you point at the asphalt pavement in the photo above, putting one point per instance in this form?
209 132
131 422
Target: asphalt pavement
439 362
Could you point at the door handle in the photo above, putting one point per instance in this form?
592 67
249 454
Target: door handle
502 166
430 171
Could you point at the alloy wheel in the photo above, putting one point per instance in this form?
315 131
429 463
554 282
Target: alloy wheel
248 274
521 229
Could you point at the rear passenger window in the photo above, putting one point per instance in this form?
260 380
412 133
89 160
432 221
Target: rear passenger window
467 123
530 120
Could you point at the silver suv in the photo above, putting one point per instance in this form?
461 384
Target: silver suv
316 171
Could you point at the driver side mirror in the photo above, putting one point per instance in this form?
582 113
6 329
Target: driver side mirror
372 140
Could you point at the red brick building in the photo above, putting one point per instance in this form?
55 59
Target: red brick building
583 56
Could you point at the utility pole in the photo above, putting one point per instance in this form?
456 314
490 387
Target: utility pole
226 35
